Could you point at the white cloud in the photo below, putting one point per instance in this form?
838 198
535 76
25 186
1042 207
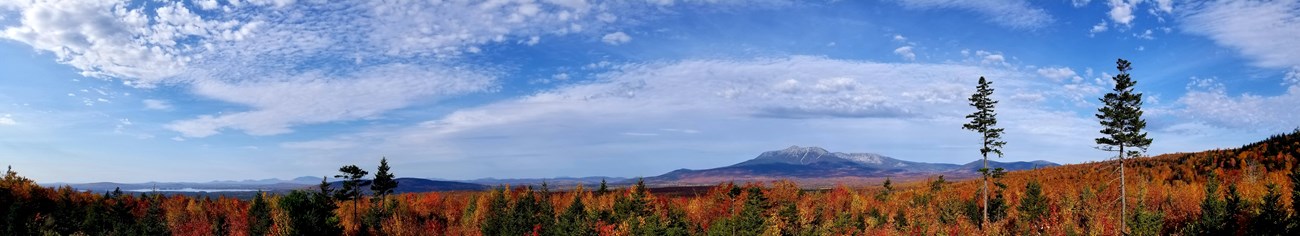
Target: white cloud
7 120
1264 31
1079 3
906 53
991 58
1100 27
154 104
1209 102
1121 11
1059 74
899 38
1017 14
308 98
1166 6
320 145
244 51
1145 35
208 4
616 38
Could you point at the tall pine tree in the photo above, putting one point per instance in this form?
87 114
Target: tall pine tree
985 121
351 190
1122 124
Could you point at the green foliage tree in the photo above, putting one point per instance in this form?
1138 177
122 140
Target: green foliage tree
259 215
531 214
310 213
887 189
1214 213
1233 209
984 121
1272 219
750 220
604 189
1294 220
633 205
573 222
351 188
1033 205
1145 222
498 220
383 184
1122 124
153 222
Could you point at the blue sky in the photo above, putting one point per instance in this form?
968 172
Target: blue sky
130 91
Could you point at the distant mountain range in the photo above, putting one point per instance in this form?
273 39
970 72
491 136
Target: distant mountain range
814 165
811 166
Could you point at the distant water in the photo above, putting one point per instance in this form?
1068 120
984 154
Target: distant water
194 190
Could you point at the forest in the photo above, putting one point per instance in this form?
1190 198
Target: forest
1249 190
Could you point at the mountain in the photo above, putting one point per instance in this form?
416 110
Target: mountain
558 182
415 185
814 165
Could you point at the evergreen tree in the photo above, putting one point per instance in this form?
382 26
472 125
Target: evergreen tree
153 222
1145 222
351 190
888 189
985 121
574 220
1272 215
259 216
750 221
1294 220
1213 211
603 188
384 182
310 213
498 220
1233 209
1033 205
1122 124
633 205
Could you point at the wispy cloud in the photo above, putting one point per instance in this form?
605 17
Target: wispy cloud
1264 31
155 104
292 63
7 120
1017 14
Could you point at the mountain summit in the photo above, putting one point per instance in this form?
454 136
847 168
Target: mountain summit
814 163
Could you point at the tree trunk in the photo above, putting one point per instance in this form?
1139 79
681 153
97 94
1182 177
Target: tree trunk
986 186
1123 199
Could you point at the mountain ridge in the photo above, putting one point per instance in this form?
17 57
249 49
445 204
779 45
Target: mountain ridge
815 164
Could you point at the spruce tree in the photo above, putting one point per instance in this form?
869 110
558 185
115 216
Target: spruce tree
1122 124
259 216
984 121
1233 209
384 182
1213 211
1033 205
1272 216
574 220
1294 220
603 188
